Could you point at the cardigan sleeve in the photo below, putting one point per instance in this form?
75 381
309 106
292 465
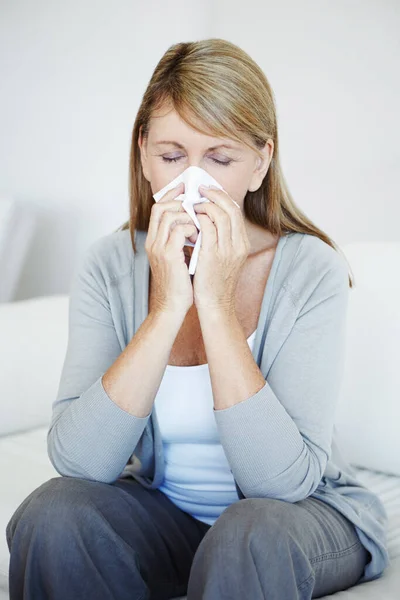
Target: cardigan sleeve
90 436
278 441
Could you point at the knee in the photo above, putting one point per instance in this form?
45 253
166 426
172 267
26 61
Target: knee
250 513
53 508
252 521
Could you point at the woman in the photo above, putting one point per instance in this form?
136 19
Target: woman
194 421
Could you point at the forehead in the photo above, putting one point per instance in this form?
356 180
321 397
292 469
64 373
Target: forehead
166 125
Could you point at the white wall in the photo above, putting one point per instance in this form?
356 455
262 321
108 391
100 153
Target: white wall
334 68
73 74
72 77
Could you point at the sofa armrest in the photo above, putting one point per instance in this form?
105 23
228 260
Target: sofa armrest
17 227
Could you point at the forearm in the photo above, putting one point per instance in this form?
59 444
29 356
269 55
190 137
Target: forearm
234 374
277 436
265 450
95 435
147 353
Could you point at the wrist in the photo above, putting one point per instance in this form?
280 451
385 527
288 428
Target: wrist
216 311
171 316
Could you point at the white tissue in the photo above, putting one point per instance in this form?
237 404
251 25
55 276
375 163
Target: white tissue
192 178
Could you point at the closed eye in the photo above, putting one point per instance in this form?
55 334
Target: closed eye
219 162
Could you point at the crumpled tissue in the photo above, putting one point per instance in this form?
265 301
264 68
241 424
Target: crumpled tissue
192 177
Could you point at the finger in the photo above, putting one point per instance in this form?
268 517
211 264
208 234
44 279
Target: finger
221 220
221 199
169 221
222 194
178 236
173 192
166 203
209 234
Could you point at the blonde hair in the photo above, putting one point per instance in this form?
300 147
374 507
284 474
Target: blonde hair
218 84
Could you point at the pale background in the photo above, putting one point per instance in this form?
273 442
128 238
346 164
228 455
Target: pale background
72 75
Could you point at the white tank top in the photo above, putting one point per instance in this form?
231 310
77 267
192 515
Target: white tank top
197 477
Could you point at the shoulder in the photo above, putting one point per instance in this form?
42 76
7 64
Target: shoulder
311 252
313 266
110 256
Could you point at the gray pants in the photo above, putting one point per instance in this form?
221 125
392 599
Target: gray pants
87 540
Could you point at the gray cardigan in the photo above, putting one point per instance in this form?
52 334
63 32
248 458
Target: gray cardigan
280 442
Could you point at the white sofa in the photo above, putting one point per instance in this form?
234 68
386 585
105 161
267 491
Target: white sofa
33 340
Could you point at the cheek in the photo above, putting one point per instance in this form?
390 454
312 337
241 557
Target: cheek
236 187
238 193
159 174
159 180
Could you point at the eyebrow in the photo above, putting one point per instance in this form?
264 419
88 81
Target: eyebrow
178 145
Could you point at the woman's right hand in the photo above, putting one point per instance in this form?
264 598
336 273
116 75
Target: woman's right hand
169 226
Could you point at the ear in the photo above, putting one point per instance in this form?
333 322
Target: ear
142 143
262 166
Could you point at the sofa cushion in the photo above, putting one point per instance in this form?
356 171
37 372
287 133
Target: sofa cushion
368 413
33 344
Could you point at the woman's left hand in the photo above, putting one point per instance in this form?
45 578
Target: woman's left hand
224 249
